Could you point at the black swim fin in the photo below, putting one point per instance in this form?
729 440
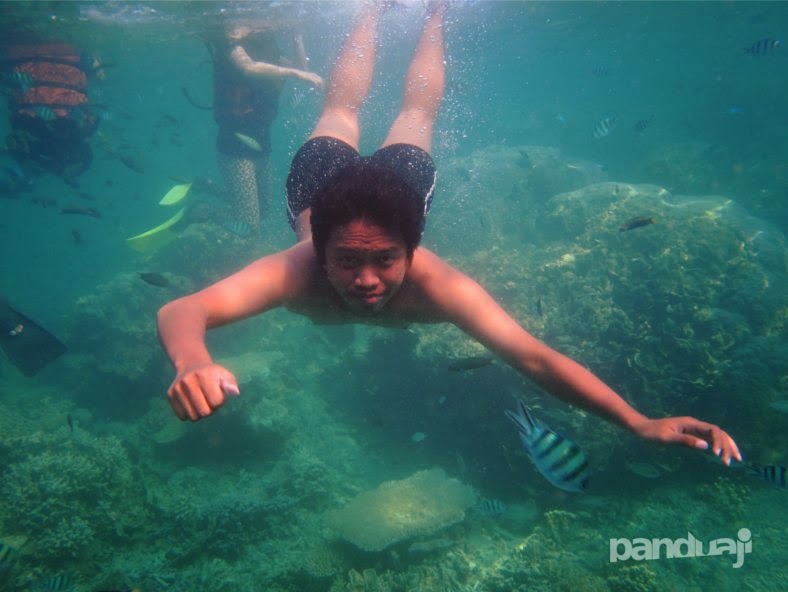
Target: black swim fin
27 344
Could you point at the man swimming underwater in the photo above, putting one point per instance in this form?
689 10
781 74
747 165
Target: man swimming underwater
359 222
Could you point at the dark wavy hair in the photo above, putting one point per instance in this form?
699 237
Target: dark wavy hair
366 191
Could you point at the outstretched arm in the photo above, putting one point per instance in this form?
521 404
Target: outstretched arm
473 310
254 69
200 386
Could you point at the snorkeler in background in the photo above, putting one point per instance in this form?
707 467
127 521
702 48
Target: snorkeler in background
249 73
50 114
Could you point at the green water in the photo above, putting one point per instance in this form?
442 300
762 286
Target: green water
686 316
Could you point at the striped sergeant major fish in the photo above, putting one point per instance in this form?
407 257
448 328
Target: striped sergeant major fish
58 583
774 474
604 127
490 507
763 47
557 458
7 557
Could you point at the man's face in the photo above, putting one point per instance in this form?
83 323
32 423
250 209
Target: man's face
366 265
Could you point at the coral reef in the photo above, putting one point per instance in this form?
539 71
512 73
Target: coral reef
70 494
420 505
685 315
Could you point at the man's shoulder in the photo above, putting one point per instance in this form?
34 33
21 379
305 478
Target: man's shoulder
427 267
305 275
301 253
300 260
445 287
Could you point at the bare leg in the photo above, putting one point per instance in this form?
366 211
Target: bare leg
424 85
348 86
241 180
350 80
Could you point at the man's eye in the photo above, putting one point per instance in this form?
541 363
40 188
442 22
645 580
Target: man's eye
347 260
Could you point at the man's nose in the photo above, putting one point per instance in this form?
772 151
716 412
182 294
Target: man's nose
366 277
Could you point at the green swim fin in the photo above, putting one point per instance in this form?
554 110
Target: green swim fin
155 237
175 195
27 344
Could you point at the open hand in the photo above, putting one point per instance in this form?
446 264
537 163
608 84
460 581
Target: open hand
693 433
313 79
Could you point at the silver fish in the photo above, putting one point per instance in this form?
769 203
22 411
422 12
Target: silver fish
557 458
249 142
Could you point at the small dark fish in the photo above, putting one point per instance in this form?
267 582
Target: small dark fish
539 309
70 422
641 124
600 71
638 222
470 363
44 202
76 235
193 103
155 279
774 474
78 211
133 163
762 47
166 120
604 127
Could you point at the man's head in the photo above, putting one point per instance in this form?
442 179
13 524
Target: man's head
366 224
365 191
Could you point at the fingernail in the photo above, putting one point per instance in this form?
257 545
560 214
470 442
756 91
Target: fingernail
702 445
229 388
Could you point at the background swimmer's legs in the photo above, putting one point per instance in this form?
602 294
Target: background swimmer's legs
265 185
240 179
